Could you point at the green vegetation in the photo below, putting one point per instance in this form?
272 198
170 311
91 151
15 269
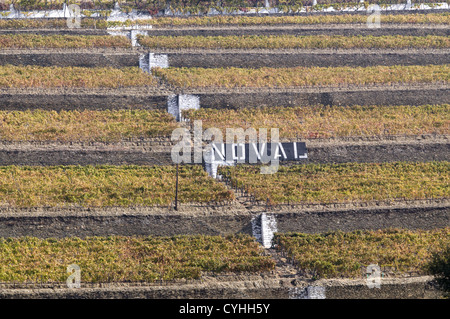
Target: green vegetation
340 254
118 259
191 6
331 121
439 267
100 186
85 125
294 42
415 18
302 76
52 77
49 23
349 182
34 41
432 18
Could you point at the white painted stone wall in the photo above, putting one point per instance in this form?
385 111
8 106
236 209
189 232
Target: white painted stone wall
119 32
152 60
264 227
144 63
310 292
122 16
133 36
158 60
188 102
115 15
172 106
178 103
268 229
211 168
256 228
212 164
130 34
361 8
131 27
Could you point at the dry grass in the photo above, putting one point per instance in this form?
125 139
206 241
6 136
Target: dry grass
34 41
433 18
331 121
72 77
339 183
339 254
135 259
86 125
104 186
294 42
302 76
430 18
49 23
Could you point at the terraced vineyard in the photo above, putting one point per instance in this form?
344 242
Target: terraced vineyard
33 41
306 20
84 125
194 7
293 42
317 122
20 24
135 259
49 77
302 76
341 254
90 186
92 118
91 23
344 182
331 122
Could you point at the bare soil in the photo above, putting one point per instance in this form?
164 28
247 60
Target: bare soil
240 207
317 89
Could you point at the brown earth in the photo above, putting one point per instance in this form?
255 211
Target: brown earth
260 288
298 29
92 57
218 58
281 58
395 94
74 98
157 151
220 219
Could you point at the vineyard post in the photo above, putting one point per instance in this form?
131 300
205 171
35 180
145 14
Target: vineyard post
176 190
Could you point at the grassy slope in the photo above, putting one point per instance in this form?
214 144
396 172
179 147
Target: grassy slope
340 254
350 182
116 259
302 76
334 121
294 42
84 125
101 186
49 77
34 41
